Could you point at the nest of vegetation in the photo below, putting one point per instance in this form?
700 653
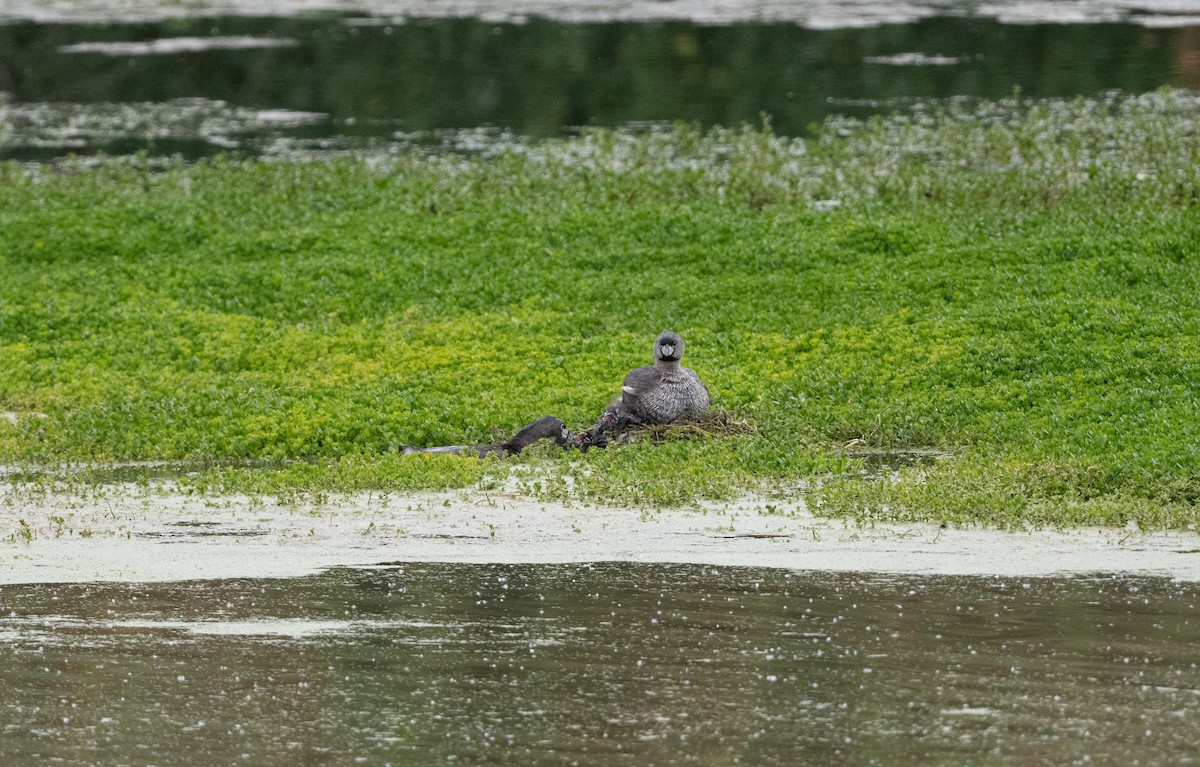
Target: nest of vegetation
716 423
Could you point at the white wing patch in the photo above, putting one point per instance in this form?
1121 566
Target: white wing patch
629 390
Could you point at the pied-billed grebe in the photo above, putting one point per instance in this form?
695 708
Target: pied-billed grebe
665 392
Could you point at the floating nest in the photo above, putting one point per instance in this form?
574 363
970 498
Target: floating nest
717 423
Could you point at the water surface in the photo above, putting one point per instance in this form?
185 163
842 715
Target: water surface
279 85
602 664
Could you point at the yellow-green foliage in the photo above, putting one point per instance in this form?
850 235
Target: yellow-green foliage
1014 285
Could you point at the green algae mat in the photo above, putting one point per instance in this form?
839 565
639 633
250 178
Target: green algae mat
1009 285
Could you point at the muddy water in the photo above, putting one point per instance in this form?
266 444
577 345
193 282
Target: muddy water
607 664
282 86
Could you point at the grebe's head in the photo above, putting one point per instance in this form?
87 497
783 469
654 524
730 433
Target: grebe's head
668 347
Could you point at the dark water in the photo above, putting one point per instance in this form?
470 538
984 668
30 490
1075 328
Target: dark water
611 664
356 82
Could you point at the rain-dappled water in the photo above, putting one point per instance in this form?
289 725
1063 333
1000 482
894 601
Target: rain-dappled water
601 664
194 80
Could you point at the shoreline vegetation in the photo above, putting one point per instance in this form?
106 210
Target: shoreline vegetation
1011 285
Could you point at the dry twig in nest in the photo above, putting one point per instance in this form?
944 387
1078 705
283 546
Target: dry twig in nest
717 423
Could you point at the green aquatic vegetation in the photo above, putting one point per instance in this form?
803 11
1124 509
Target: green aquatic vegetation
1012 284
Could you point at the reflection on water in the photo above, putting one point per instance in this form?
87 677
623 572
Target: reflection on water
605 664
336 81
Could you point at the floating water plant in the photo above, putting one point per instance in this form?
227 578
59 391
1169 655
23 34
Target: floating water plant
1009 283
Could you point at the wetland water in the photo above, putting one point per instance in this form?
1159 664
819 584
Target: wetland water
630 663
601 664
198 85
